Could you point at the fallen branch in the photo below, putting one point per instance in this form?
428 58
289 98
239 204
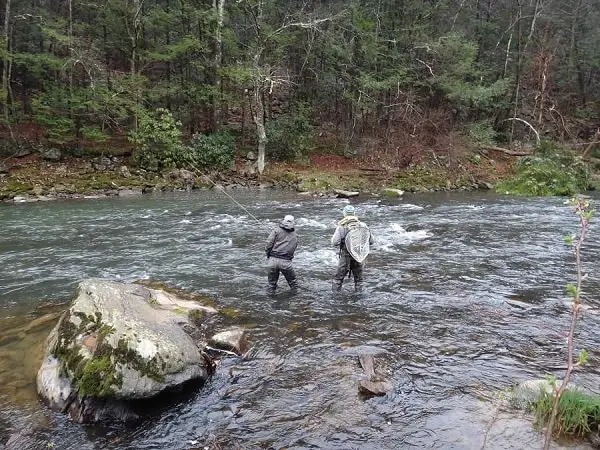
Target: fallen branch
426 65
590 145
585 143
507 151
372 169
537 135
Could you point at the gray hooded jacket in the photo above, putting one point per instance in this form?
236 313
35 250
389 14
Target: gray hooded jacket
282 242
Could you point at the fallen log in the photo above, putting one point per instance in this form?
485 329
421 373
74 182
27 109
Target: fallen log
507 151
372 169
346 194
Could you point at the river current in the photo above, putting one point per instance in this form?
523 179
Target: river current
464 297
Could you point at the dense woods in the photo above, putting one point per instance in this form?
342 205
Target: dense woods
375 75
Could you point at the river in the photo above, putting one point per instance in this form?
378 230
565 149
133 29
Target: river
464 298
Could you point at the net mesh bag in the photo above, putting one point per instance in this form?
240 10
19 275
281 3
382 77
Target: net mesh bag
357 242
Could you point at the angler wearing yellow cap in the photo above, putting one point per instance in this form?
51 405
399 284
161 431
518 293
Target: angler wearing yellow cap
280 248
354 239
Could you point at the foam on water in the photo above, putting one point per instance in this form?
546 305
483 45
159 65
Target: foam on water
386 239
316 259
312 223
408 206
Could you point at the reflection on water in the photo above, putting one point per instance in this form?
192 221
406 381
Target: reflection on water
464 299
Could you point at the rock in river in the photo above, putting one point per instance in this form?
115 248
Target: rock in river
116 343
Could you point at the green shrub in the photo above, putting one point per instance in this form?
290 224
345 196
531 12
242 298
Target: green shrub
212 151
291 136
550 171
158 141
577 413
482 133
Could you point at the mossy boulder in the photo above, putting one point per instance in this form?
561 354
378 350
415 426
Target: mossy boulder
393 193
120 342
528 392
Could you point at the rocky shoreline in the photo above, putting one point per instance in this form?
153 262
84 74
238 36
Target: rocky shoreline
138 191
39 180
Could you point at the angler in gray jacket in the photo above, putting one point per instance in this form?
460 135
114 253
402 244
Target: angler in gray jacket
280 248
347 264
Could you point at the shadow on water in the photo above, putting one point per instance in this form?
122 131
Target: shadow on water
464 298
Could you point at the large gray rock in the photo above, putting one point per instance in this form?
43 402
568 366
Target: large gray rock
51 154
102 163
119 342
182 177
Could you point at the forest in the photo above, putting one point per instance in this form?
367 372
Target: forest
391 78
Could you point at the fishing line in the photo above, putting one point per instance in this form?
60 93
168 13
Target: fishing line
265 227
215 185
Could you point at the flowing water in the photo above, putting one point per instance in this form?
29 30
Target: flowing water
464 298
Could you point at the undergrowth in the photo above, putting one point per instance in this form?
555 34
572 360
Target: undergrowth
577 413
551 170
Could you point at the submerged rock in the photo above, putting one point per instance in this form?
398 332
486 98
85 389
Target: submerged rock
233 340
374 384
116 343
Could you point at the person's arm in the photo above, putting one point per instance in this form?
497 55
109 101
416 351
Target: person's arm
336 239
371 238
270 243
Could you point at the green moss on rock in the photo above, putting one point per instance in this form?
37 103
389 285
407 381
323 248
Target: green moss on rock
95 376
196 316
151 368
98 378
230 313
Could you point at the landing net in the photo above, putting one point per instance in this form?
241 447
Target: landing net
357 242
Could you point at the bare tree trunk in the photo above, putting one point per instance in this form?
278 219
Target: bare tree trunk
134 33
6 61
219 5
536 12
259 121
574 54
544 82
262 76
10 67
71 46
7 69
518 71
507 55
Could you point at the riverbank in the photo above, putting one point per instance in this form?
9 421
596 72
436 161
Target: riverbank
32 178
